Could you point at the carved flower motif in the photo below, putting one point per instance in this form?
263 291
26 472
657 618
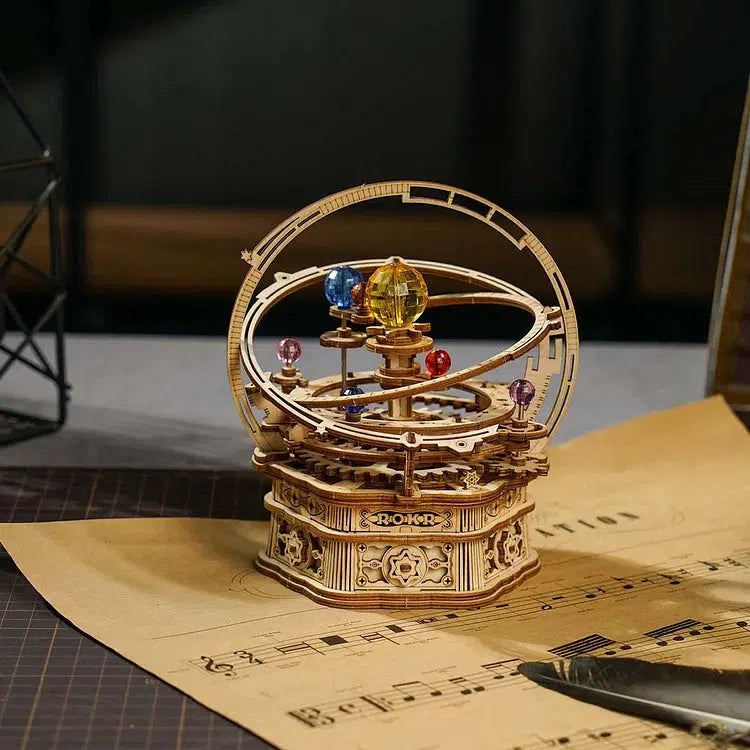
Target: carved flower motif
513 548
406 568
295 548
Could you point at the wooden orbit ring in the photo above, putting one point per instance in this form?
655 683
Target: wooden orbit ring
411 192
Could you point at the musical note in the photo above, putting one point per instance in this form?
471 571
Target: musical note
294 648
734 563
592 592
598 736
627 584
466 686
373 637
581 646
672 580
414 690
624 734
333 640
403 695
502 669
673 628
710 565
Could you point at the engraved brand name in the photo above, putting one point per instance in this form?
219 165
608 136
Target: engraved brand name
414 518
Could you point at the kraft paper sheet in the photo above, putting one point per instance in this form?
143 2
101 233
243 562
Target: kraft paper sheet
645 545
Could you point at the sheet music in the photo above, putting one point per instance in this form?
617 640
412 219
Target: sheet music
645 545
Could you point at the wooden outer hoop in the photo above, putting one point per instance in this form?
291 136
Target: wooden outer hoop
434 194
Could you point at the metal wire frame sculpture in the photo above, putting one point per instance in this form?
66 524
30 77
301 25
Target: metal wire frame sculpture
14 425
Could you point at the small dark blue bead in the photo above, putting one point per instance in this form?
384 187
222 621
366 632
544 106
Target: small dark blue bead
353 391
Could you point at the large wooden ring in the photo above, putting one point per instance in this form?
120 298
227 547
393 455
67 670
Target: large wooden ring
411 192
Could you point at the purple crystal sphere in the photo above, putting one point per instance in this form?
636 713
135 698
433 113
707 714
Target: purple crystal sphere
522 392
288 351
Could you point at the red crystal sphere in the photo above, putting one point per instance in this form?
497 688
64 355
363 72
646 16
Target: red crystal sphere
288 351
438 362
522 392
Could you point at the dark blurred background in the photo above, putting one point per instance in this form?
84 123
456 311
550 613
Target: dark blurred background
187 130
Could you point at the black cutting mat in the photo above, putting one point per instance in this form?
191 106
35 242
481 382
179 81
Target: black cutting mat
59 689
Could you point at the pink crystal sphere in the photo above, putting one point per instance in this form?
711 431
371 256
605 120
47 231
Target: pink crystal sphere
438 362
522 392
288 351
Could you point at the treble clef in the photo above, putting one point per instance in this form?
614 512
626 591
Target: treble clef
217 667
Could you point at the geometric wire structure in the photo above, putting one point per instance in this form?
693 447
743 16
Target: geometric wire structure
14 425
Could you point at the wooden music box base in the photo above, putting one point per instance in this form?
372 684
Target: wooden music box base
395 556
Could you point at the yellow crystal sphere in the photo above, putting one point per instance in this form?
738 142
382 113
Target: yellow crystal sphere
396 294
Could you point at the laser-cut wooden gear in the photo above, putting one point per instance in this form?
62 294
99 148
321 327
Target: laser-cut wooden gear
421 499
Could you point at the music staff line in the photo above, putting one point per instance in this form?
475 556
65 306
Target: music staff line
503 673
399 631
725 632
618 735
411 693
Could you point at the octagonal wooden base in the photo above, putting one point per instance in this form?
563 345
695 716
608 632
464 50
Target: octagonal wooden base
380 552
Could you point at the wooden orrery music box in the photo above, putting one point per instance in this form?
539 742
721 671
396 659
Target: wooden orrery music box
401 486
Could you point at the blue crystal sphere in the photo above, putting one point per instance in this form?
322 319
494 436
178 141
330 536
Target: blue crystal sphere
353 391
338 286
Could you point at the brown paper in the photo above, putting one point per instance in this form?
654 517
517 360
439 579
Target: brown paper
645 545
